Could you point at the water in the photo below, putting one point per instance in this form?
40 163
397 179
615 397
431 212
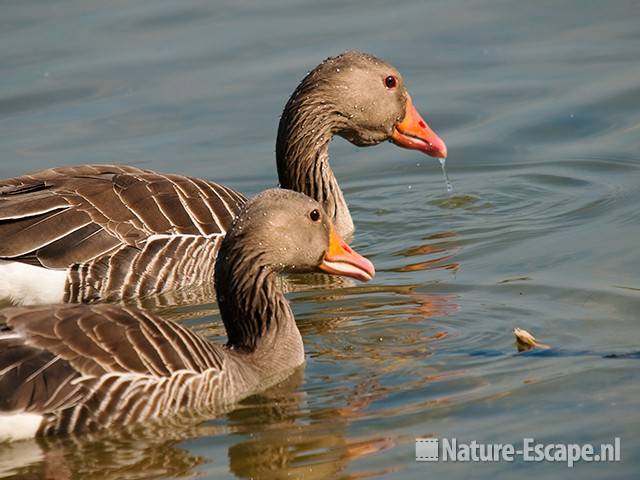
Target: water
540 107
447 182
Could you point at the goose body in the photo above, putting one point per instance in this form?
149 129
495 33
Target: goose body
73 368
109 232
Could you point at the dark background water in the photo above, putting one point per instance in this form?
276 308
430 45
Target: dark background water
539 103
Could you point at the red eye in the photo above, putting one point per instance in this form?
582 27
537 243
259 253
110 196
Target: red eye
391 82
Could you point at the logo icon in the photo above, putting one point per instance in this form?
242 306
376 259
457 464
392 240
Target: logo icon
427 449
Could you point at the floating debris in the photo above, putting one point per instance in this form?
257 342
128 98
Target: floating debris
525 341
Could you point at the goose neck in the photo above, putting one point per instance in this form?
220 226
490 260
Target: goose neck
306 129
256 315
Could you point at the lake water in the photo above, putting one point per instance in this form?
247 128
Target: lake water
539 104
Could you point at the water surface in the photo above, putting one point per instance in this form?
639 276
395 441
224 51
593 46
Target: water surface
539 104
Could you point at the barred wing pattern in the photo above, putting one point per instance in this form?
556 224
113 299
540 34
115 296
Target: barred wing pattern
160 264
120 231
89 366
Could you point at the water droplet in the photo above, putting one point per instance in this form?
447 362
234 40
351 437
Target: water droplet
447 182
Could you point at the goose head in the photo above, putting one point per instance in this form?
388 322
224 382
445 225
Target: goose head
368 103
287 232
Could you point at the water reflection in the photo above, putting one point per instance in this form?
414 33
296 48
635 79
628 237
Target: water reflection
442 246
104 456
283 441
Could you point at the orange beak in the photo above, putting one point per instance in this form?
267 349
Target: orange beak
414 133
341 259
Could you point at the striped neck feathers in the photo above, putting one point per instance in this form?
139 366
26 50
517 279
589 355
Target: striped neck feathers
306 128
253 308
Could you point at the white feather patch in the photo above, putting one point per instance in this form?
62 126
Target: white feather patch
24 284
19 425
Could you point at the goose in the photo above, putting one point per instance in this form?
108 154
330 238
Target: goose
73 368
107 233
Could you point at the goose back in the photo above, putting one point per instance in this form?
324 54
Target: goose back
120 231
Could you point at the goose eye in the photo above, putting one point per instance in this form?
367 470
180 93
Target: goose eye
391 82
314 215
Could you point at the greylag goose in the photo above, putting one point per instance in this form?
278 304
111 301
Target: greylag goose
104 233
72 368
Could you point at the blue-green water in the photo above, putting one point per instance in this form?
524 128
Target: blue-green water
539 104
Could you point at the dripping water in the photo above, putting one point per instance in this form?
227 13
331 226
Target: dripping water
447 182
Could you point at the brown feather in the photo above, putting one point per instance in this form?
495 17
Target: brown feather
95 220
89 240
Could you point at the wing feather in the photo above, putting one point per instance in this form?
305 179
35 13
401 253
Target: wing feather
88 242
71 215
53 357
